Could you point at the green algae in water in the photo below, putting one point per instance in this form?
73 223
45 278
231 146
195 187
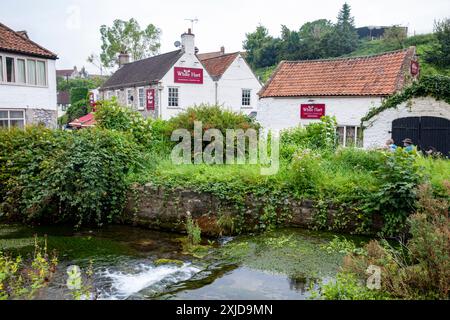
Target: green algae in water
19 240
295 253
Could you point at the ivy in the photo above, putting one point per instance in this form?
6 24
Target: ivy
436 86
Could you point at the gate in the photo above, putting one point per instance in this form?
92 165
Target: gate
425 132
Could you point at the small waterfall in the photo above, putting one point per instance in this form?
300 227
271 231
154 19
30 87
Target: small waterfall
120 285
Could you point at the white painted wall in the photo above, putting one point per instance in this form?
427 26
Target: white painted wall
189 94
15 96
282 113
237 77
378 129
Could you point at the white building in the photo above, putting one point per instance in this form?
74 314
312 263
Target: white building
27 81
301 92
164 85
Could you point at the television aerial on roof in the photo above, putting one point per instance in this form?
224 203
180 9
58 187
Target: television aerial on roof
195 20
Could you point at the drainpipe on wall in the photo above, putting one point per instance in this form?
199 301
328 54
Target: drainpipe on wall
160 89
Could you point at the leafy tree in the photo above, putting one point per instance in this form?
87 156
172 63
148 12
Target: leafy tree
344 38
261 48
440 55
395 37
290 44
128 37
90 83
312 35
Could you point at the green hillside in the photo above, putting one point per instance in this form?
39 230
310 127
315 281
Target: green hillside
423 44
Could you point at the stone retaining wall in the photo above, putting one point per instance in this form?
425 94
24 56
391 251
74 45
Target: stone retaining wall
161 209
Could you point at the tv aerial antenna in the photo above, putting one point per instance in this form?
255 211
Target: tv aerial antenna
193 21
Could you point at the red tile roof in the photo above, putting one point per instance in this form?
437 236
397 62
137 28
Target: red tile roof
16 42
377 75
217 66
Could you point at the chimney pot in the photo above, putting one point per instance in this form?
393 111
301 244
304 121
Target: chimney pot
222 50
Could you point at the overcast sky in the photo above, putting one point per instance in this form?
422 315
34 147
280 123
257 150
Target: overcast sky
70 28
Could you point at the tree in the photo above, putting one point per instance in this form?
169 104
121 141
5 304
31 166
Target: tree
440 54
344 38
395 37
90 83
262 49
128 37
312 35
290 45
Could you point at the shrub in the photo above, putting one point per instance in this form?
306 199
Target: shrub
79 94
154 135
77 110
348 287
291 140
21 279
421 269
212 117
396 198
322 135
306 171
357 159
60 176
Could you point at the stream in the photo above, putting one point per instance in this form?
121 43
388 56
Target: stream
287 264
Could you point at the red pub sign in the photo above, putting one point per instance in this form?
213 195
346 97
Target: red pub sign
150 99
188 75
415 68
312 111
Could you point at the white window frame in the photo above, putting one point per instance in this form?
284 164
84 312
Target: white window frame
3 79
9 117
117 94
357 132
249 105
170 99
141 104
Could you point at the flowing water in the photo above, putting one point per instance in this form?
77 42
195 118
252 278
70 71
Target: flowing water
284 264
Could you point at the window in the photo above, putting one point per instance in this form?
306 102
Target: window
246 97
1 69
41 73
350 136
173 97
117 94
130 97
141 99
31 64
10 70
12 118
110 95
21 73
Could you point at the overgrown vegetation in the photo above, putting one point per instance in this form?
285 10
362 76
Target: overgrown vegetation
60 176
23 278
418 270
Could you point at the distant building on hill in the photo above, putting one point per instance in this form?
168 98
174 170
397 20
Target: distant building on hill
376 32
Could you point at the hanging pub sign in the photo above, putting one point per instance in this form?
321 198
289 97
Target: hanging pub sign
150 99
312 111
415 68
188 75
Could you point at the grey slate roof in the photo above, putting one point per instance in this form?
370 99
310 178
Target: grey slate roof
143 72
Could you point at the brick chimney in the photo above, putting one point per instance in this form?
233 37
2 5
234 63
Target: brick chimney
124 58
188 42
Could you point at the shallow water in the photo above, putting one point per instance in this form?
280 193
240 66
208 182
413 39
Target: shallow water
286 264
